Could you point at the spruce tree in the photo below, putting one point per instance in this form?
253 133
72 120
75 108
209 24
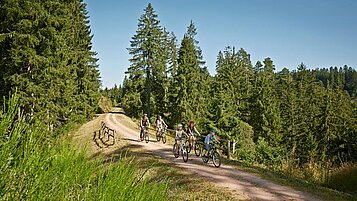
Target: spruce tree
147 74
191 82
265 114
41 61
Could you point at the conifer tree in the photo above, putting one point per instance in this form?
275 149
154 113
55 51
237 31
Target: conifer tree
147 74
191 82
41 59
265 114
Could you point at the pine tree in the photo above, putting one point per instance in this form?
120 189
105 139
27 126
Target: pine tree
265 114
40 59
288 108
191 82
232 89
147 73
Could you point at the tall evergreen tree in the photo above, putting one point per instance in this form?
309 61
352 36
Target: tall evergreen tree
39 59
190 82
232 88
147 74
265 114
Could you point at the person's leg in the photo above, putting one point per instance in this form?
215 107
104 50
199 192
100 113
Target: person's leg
178 146
207 149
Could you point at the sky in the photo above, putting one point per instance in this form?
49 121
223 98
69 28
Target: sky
319 33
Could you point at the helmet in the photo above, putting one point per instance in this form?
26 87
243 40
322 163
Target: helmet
145 114
213 130
179 125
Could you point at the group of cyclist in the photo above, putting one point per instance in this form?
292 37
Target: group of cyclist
190 134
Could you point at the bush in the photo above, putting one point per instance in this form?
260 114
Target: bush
246 151
245 145
344 179
268 155
104 105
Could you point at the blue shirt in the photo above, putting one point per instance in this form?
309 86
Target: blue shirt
209 138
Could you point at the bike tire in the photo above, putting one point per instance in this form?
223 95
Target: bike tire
157 137
164 139
147 138
174 148
141 136
185 154
189 148
204 157
216 158
198 149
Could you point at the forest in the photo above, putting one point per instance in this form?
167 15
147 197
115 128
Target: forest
46 58
301 121
287 120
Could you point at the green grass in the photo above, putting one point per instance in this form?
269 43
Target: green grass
344 179
182 184
34 166
288 180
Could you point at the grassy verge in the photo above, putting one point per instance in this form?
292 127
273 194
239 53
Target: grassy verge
182 184
33 166
301 185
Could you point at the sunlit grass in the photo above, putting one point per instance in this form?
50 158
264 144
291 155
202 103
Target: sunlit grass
34 166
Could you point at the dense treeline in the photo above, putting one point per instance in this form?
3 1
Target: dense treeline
345 78
281 119
46 57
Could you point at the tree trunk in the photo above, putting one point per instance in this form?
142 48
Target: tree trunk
229 149
234 146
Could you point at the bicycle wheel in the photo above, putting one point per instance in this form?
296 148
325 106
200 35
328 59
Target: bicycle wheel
147 137
198 149
185 154
216 158
174 150
205 156
163 138
157 137
141 136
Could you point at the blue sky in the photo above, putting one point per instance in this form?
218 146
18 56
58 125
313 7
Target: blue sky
320 33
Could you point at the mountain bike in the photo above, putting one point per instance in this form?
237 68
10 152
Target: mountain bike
213 154
144 134
183 150
161 134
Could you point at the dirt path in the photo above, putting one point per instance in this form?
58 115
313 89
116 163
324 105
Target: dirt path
252 186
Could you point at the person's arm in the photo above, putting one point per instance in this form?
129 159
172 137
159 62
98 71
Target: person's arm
215 139
185 133
197 131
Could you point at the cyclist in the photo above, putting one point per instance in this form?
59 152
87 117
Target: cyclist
192 131
144 124
179 132
209 140
160 123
